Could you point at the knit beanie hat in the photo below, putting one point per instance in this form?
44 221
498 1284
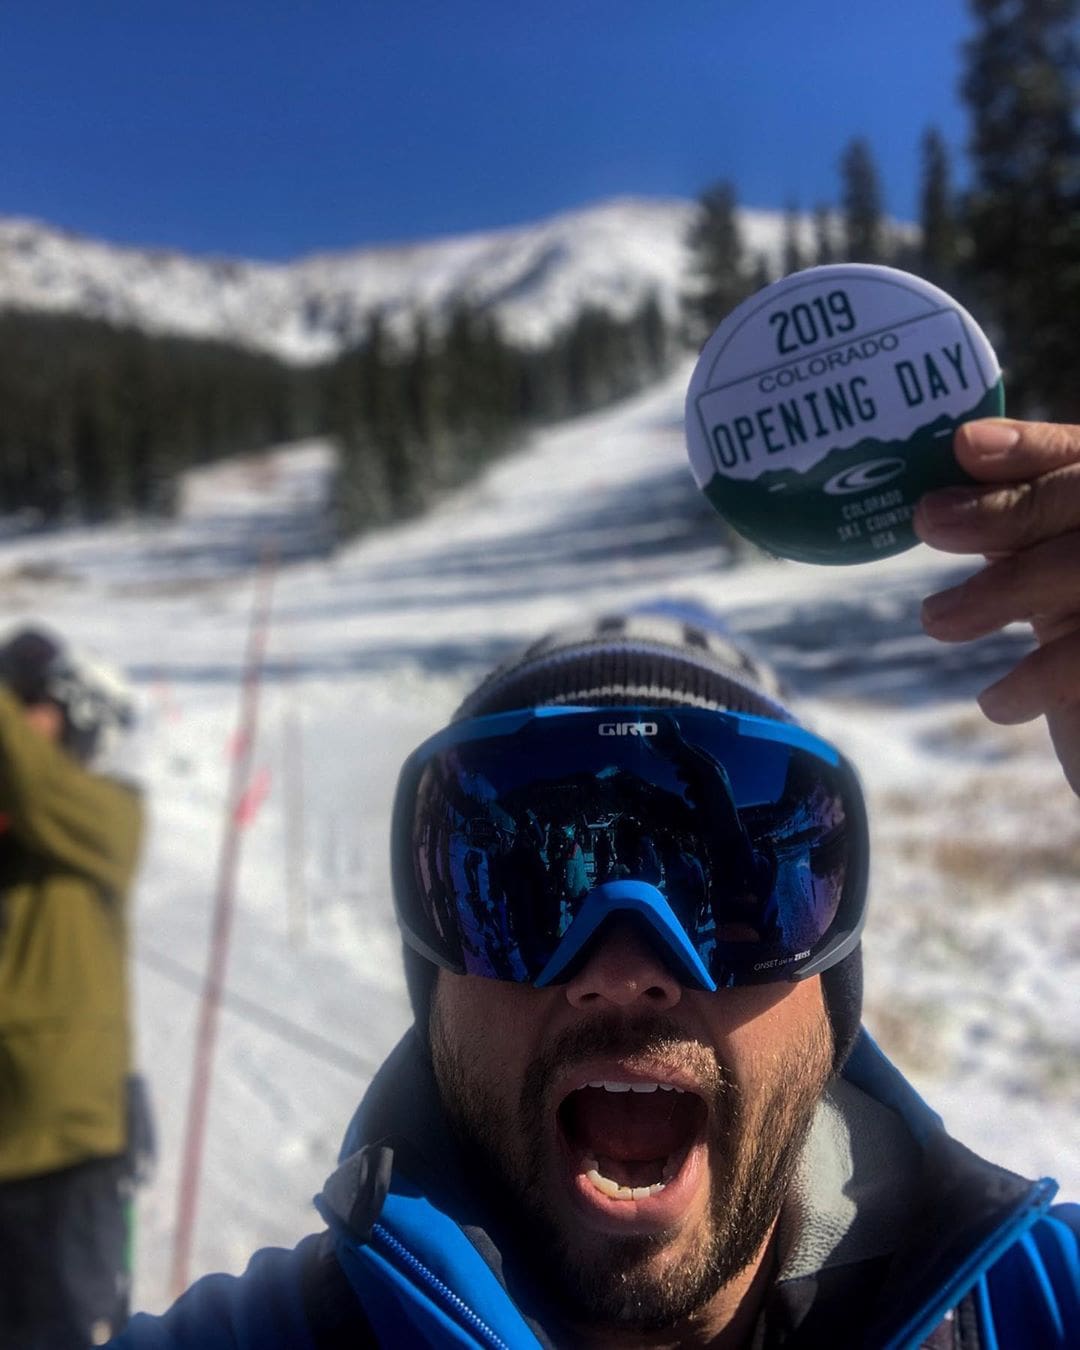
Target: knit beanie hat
672 654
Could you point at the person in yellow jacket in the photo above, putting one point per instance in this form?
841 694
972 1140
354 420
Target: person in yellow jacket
69 843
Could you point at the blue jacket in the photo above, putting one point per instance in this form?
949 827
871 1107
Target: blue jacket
937 1247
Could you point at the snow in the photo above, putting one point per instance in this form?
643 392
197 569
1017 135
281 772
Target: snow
973 940
535 278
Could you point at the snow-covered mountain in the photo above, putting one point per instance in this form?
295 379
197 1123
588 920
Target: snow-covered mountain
535 278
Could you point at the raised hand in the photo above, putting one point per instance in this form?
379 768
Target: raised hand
1023 518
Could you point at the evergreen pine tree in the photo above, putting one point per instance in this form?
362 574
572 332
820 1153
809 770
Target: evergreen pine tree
1022 85
864 235
653 339
937 218
717 280
360 496
824 244
792 258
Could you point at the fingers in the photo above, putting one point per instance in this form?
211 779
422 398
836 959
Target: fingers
1043 587
1044 682
1040 585
1001 450
1023 516
1065 733
1028 490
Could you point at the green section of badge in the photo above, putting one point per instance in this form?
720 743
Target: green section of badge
856 504
824 406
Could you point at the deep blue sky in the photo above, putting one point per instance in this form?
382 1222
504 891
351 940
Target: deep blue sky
272 129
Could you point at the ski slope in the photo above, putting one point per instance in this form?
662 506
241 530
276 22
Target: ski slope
973 941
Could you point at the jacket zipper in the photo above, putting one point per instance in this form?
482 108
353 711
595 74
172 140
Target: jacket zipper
443 1294
1032 1208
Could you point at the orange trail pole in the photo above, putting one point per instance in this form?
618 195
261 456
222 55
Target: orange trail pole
214 984
295 898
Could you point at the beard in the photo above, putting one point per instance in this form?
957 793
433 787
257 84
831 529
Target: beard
641 1281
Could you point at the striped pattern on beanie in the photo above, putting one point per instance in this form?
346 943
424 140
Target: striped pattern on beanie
638 658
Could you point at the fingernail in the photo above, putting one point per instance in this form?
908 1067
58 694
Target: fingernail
989 439
996 702
941 606
949 506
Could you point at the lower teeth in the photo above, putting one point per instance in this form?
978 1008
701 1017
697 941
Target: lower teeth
617 1192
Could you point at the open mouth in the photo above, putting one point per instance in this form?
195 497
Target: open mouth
629 1138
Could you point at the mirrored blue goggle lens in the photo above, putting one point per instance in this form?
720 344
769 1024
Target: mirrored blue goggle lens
747 839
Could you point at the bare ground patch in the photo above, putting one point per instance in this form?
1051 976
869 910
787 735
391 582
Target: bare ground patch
912 1032
997 866
171 587
969 733
40 572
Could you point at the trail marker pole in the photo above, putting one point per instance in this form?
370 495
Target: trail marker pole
296 898
243 751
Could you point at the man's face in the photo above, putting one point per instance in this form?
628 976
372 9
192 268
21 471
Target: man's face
645 1131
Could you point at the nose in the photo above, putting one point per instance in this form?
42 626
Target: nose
621 970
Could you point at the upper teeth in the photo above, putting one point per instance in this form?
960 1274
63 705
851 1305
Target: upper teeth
609 1086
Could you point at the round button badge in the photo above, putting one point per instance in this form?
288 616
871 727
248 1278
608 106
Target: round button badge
824 406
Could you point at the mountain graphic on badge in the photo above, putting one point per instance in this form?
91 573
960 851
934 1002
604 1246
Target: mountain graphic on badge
824 406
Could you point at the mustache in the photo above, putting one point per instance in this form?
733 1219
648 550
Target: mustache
614 1036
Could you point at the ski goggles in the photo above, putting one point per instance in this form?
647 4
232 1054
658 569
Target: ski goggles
738 843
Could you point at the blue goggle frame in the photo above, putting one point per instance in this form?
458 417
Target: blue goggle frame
718 789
